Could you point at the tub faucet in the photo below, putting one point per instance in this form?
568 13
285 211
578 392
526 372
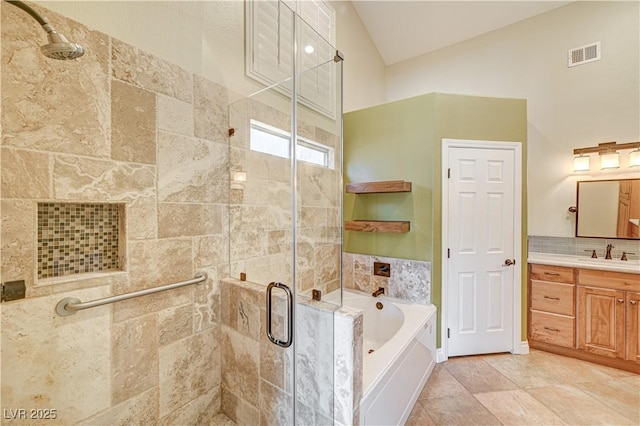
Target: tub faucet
378 292
609 247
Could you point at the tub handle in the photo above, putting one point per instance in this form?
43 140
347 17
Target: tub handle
287 290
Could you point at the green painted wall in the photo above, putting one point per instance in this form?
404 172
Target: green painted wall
402 140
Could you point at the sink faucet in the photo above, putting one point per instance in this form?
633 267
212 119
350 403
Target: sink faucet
609 247
378 292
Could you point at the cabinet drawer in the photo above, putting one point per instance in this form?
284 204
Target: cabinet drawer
553 297
608 279
551 273
551 328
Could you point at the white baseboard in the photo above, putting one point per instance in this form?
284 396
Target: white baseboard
523 349
440 355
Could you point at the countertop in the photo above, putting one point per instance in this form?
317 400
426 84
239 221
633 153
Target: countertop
584 262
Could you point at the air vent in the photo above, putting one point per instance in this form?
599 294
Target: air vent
584 54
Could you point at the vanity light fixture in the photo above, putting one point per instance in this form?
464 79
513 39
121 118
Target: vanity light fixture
581 163
609 156
610 160
634 158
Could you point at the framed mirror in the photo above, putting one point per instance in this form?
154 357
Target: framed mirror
608 209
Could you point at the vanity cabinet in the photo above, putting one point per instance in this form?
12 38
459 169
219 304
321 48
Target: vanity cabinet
586 313
552 306
601 322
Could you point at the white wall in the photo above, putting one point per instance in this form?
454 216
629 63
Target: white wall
567 107
207 38
364 69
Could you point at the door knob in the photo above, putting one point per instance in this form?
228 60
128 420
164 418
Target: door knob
509 262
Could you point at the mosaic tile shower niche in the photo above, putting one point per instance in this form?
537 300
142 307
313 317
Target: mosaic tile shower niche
76 238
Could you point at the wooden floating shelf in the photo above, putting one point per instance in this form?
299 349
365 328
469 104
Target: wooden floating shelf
379 187
390 226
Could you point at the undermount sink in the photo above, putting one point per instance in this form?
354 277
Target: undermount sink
631 263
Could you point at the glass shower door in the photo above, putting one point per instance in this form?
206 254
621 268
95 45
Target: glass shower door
285 239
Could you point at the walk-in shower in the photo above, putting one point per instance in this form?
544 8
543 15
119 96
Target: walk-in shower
59 47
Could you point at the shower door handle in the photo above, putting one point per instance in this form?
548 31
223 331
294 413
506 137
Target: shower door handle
287 290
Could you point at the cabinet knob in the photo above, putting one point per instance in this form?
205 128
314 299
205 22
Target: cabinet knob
620 300
633 302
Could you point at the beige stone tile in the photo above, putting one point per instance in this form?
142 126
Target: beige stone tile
275 362
419 417
153 263
53 362
134 354
76 178
133 123
458 410
327 263
201 411
18 237
179 220
524 374
175 324
240 365
306 280
53 105
478 376
210 251
206 303
576 407
25 174
362 282
275 405
280 241
516 407
189 368
240 307
142 219
239 410
441 383
622 395
222 420
143 69
211 110
139 410
192 169
347 270
158 262
175 116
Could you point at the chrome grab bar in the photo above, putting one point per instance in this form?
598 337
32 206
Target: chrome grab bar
281 343
71 305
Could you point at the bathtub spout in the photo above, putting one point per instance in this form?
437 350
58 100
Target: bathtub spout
378 292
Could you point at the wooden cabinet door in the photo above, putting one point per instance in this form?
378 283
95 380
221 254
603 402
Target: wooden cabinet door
633 326
601 321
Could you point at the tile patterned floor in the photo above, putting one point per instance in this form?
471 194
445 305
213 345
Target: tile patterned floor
535 389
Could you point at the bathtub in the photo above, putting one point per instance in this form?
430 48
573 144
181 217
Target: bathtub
399 350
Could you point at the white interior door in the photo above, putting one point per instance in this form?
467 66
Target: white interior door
481 225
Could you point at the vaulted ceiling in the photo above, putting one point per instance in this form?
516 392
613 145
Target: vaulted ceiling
405 29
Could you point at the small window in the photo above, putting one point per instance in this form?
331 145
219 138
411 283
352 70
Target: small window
268 139
271 140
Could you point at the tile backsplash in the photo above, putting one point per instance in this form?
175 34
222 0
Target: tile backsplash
583 246
408 280
75 238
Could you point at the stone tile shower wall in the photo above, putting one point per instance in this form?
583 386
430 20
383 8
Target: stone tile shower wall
116 126
260 213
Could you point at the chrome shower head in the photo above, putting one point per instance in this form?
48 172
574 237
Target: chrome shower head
59 47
